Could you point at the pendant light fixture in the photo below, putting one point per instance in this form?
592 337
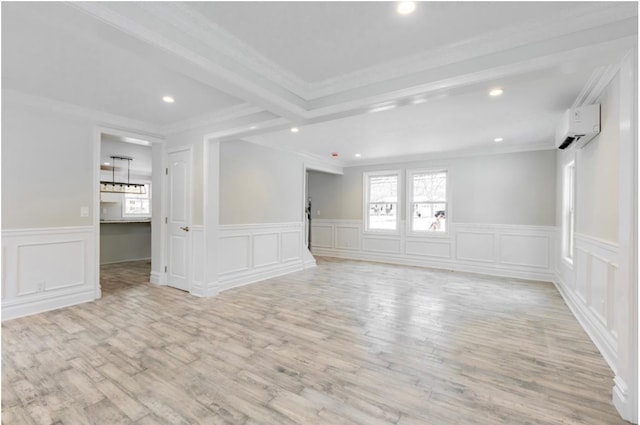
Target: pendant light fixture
128 187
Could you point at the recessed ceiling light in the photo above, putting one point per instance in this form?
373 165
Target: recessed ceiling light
419 100
106 163
496 92
358 155
406 7
253 127
294 129
498 139
168 99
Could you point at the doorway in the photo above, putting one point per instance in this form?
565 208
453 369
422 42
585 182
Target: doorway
127 206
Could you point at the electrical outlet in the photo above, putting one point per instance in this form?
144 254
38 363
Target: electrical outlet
318 212
84 211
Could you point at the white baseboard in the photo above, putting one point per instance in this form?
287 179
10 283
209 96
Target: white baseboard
515 251
600 336
126 261
13 311
257 275
158 278
491 270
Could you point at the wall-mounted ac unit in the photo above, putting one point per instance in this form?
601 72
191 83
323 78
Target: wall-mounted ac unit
578 127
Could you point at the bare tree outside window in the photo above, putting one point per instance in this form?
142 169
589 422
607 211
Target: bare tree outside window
382 202
429 202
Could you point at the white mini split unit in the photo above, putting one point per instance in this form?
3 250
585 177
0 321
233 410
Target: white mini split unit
578 127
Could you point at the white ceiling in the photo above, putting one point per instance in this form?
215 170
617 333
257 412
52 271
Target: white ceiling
251 70
320 40
52 50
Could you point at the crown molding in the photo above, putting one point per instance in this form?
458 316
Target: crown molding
307 157
460 153
590 15
208 119
228 75
98 117
598 81
243 72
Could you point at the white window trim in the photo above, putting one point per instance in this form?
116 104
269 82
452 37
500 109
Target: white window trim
567 234
366 175
409 201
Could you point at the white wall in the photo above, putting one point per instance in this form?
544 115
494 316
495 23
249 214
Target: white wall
503 209
513 189
48 249
597 173
600 283
47 168
259 185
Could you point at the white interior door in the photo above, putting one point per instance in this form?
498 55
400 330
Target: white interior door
179 219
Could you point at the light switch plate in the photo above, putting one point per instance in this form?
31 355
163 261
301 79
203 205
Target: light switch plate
84 211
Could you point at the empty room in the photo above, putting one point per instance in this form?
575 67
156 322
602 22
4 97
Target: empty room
358 213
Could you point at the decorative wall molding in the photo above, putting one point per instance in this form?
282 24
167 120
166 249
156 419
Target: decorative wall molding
598 81
477 248
253 252
242 59
98 117
589 290
47 268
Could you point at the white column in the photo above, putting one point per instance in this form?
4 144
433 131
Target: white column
625 390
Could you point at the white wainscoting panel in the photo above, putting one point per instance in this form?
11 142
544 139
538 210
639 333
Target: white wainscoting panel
266 249
254 252
197 260
502 250
435 248
291 241
322 235
588 287
46 269
235 253
525 250
475 246
348 237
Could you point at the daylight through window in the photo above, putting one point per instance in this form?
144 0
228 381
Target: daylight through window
429 201
382 202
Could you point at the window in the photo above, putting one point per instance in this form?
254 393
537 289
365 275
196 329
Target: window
568 210
137 205
428 203
381 203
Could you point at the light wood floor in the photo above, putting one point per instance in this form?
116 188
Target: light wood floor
347 343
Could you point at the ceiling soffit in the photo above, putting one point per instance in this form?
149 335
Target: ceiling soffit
207 52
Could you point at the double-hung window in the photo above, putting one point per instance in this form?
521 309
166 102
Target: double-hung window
428 201
569 214
381 201
137 205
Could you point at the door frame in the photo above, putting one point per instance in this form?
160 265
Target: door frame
158 231
189 274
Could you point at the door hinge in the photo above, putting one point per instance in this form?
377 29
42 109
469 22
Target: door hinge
165 269
166 171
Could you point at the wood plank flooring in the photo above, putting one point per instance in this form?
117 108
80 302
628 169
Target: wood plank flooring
346 343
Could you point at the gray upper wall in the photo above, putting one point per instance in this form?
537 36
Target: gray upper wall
259 185
515 188
47 168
